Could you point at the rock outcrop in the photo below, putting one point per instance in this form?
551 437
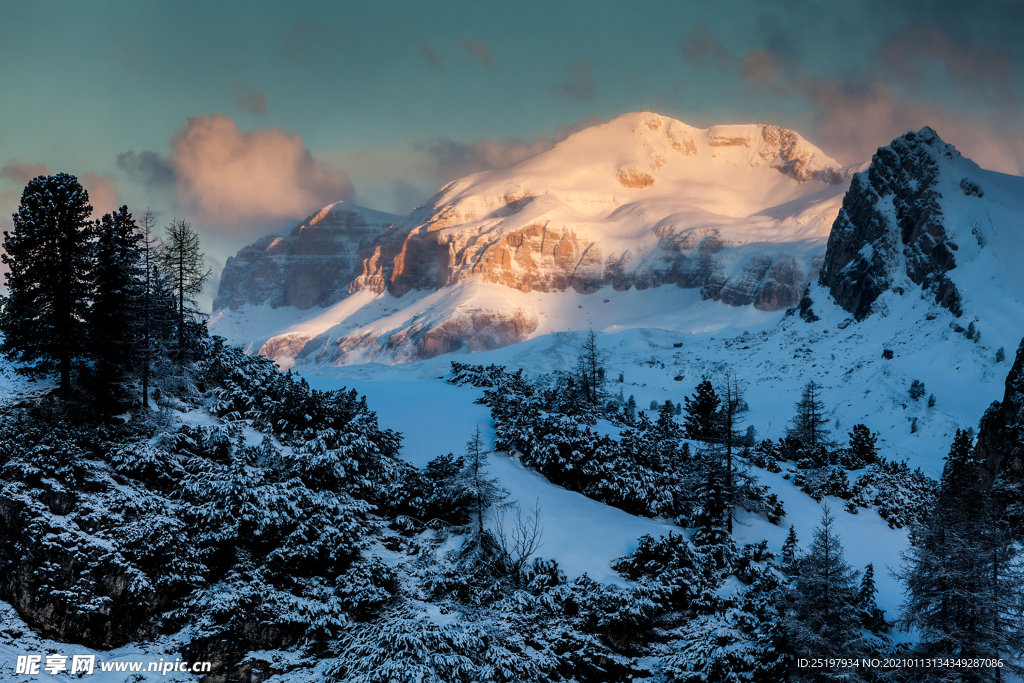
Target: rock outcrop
313 264
1000 447
891 227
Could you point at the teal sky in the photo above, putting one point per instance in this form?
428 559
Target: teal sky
382 102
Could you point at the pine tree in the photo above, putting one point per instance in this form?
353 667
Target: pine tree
1000 355
667 426
916 390
712 533
182 261
591 371
631 409
790 548
146 224
732 407
809 423
50 279
702 420
960 577
824 615
871 617
115 326
862 444
483 490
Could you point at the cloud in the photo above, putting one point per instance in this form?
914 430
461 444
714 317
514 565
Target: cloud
475 50
451 159
21 172
904 85
579 86
102 193
406 196
766 67
149 168
975 68
429 55
456 159
701 50
855 118
227 178
250 99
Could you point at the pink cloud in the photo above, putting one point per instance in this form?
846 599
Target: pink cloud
453 159
230 177
102 193
21 172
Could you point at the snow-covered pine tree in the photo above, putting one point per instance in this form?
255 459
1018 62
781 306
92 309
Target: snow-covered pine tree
118 299
630 409
790 550
916 390
712 534
824 620
49 283
666 425
702 420
871 617
809 424
862 446
483 490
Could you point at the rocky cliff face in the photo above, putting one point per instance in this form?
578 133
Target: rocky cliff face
892 226
313 264
1000 447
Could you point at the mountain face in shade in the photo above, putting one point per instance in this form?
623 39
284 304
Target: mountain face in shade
310 265
909 222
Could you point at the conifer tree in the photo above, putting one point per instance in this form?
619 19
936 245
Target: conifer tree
181 260
824 616
591 372
147 243
712 533
702 420
631 409
667 426
732 407
483 490
114 318
862 444
50 279
871 617
961 580
790 548
810 424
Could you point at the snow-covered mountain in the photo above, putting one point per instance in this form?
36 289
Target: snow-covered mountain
731 214
923 217
310 265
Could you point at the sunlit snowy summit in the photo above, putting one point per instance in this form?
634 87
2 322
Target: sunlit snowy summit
620 222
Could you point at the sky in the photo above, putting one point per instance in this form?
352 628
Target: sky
244 117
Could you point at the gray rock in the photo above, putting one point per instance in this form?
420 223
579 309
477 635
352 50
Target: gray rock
312 265
893 208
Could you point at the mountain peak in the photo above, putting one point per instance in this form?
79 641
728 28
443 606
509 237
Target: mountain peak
920 211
